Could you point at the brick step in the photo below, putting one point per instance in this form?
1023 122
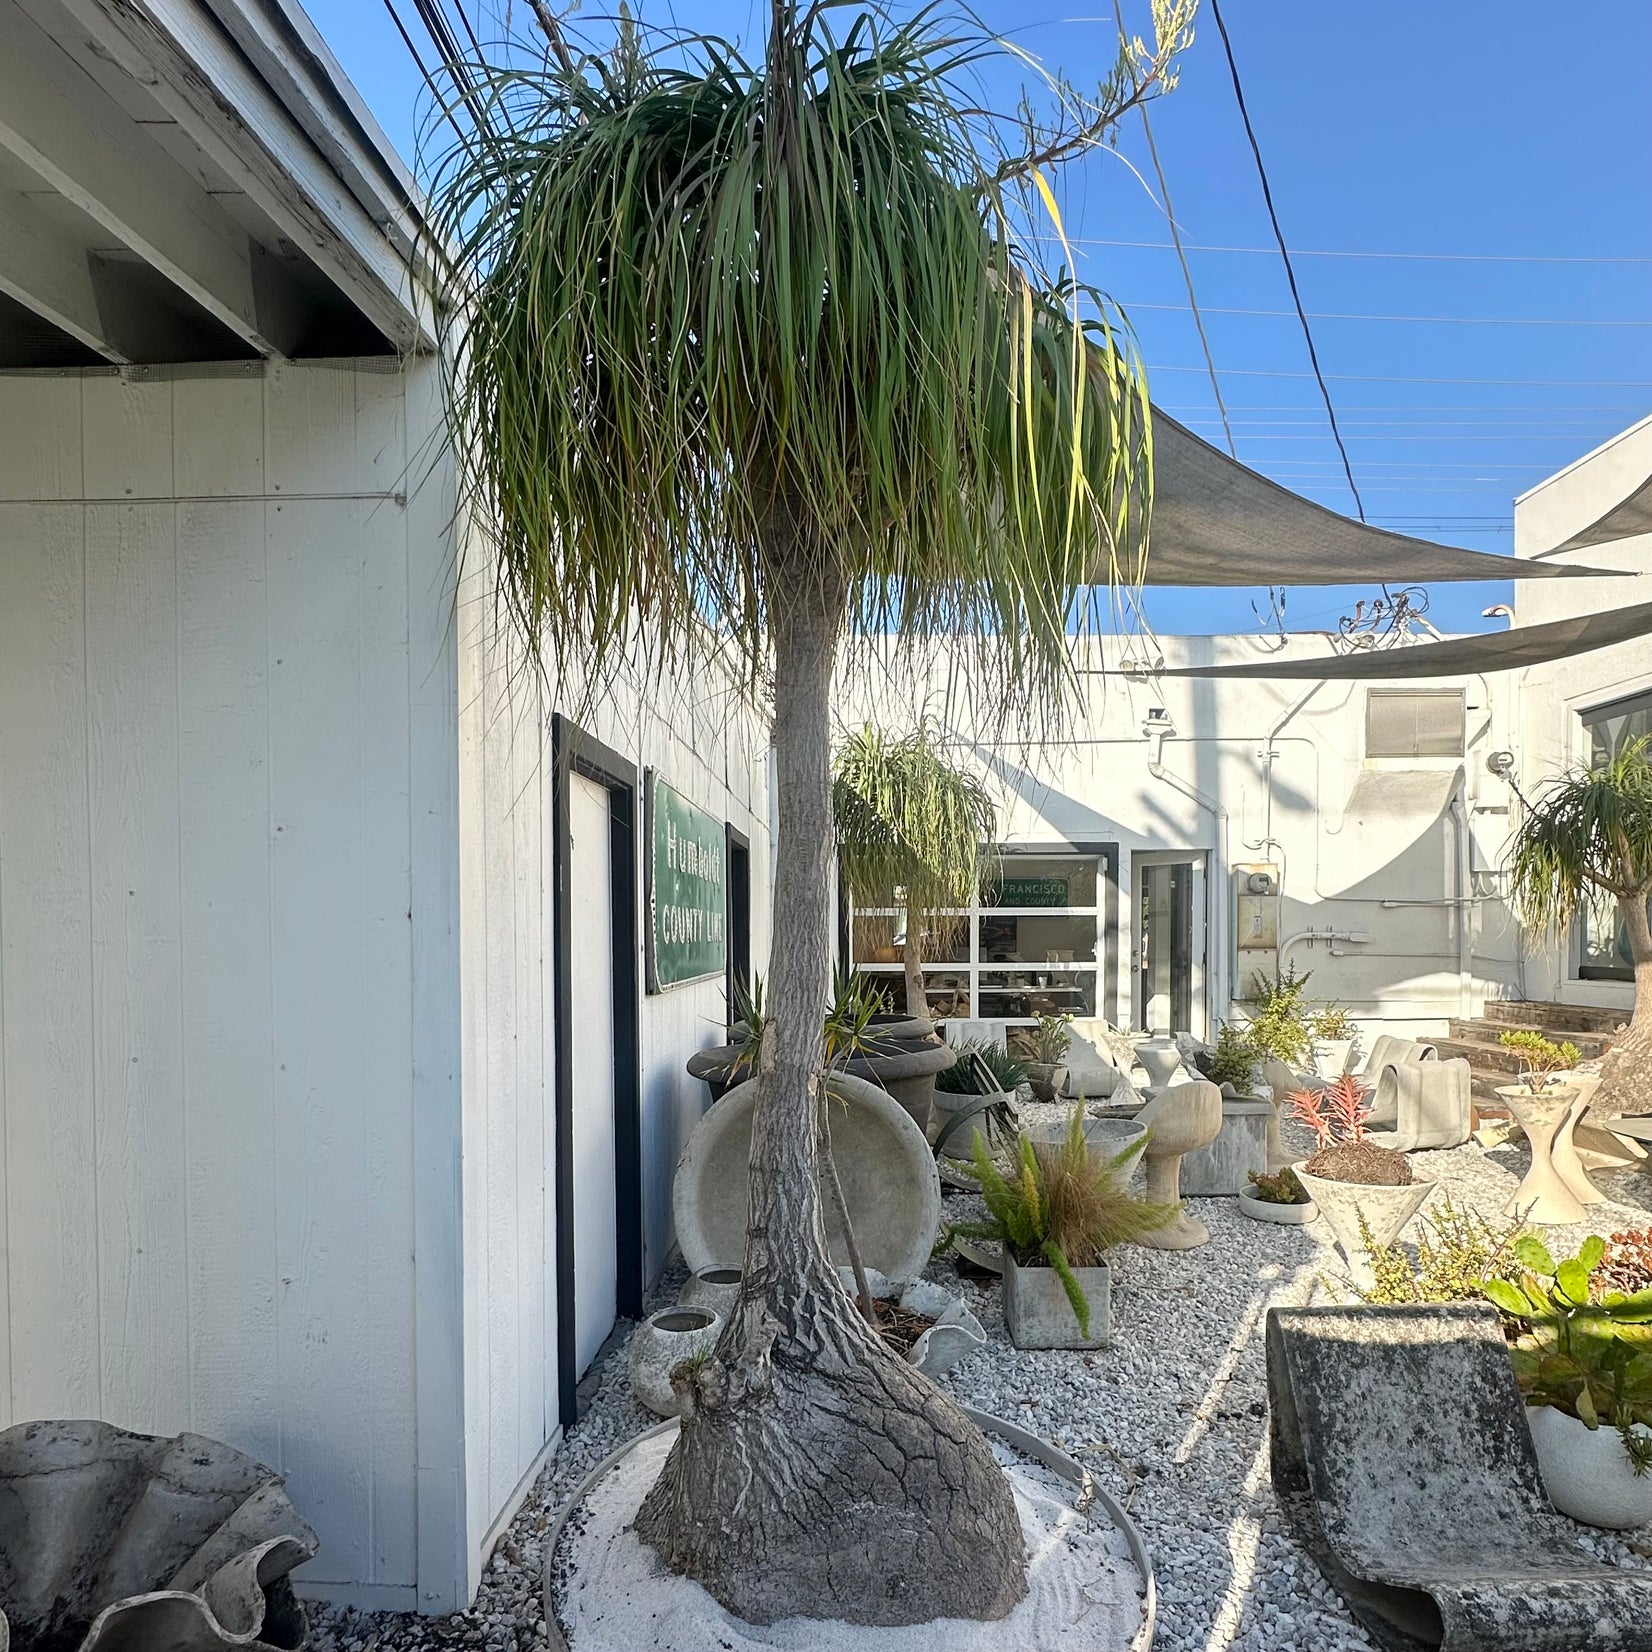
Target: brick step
1485 1038
1553 1018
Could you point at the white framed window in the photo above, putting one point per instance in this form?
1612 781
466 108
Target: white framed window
1034 943
1602 938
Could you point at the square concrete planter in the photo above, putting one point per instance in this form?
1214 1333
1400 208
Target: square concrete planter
1223 1168
1038 1314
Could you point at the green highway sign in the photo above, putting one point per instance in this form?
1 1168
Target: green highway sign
687 865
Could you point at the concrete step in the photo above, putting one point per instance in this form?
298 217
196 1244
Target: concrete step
1553 1018
1487 1049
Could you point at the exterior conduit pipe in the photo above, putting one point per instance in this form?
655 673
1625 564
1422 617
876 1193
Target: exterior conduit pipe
1328 935
1461 892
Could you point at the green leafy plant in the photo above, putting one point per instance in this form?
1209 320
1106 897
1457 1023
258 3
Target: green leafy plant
1234 1059
964 1077
1540 1058
1281 1189
1333 1022
1279 1024
1458 1251
1062 1206
1584 1350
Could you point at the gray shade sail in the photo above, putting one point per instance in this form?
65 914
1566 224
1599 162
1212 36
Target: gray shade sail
1217 522
1455 656
1628 517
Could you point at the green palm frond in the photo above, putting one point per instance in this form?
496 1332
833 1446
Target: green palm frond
1586 836
724 318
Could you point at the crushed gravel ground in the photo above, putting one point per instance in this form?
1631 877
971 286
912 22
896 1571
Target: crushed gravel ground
1172 1419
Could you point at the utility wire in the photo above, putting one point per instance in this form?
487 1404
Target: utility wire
1181 256
424 73
1393 378
1324 252
1285 254
1427 320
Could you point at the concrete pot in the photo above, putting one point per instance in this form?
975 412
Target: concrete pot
954 1119
1105 1137
1332 1055
1037 1313
715 1288
663 1341
887 1170
1386 1211
955 1334
112 1540
1161 1060
1222 1168
1265 1210
1587 1473
1043 1077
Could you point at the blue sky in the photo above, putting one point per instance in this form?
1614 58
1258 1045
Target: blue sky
1501 135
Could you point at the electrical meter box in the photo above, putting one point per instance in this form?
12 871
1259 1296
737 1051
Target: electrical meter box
1256 901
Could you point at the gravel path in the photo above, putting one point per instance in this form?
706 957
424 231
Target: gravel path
1172 1419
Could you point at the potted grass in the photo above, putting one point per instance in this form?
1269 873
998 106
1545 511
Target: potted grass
1281 1198
1366 1192
1334 1032
1057 1213
1582 1360
978 1089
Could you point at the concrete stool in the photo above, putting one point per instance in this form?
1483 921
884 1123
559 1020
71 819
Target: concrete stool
1184 1118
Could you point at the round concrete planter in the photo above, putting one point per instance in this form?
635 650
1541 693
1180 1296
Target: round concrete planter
1042 1076
1386 1210
884 1162
119 1540
663 1341
1037 1313
1265 1210
954 1119
715 1288
1587 1473
1105 1137
1051 1457
955 1334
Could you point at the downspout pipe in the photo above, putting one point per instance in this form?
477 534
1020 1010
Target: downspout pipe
1461 896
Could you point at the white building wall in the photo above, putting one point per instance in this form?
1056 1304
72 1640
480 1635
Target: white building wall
1549 738
211 636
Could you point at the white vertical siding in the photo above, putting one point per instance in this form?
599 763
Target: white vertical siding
206 865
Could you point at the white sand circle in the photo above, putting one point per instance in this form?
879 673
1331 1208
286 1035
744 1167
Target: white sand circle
611 1593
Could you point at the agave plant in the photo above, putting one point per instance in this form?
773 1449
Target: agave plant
750 356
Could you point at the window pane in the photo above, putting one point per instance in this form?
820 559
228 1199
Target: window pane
1612 727
1605 946
1007 939
1042 880
872 939
1022 994
947 989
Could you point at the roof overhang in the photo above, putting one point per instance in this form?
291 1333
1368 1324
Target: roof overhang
188 180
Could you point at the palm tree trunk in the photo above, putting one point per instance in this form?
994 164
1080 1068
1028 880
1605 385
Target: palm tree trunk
816 1473
1626 1074
912 955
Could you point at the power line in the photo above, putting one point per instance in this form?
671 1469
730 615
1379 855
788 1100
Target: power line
1392 378
1284 253
1430 320
1323 252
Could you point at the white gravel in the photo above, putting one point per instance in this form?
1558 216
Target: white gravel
1172 1419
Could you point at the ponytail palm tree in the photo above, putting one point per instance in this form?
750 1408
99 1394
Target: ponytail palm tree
747 358
911 830
1587 839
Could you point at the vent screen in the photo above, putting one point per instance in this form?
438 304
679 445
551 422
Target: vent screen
1414 722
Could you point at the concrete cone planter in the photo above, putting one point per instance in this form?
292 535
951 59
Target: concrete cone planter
114 1542
1587 1473
1386 1210
1037 1313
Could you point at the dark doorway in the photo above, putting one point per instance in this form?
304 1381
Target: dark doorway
739 916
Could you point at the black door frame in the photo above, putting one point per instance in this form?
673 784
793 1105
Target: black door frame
574 751
737 924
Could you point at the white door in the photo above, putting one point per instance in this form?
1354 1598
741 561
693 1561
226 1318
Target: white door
591 955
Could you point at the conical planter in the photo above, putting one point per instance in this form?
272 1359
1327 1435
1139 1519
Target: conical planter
1385 1209
119 1542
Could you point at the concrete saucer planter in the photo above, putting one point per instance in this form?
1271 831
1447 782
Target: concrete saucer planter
955 1334
662 1342
1267 1210
120 1542
1586 1471
1037 1313
1386 1210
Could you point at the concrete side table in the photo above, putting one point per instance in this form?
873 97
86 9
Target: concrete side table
1222 1168
1544 1196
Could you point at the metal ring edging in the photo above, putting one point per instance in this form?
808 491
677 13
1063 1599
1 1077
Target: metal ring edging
1040 1450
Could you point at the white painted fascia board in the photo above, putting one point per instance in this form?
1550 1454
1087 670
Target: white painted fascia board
192 67
1578 463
